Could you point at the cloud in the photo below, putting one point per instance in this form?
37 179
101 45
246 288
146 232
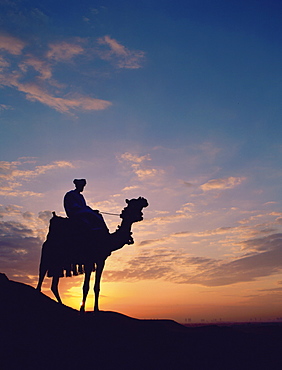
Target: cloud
135 158
10 210
129 188
160 263
145 173
119 54
11 170
179 267
35 92
62 105
188 184
263 258
271 290
222 184
234 234
142 267
247 268
63 51
3 64
12 176
162 220
28 215
193 236
19 250
145 272
5 107
139 166
44 68
11 44
263 244
45 216
41 86
10 192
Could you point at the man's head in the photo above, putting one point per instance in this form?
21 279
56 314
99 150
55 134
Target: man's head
79 184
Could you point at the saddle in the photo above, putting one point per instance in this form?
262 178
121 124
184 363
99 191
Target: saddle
71 244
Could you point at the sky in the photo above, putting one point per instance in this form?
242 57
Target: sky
175 101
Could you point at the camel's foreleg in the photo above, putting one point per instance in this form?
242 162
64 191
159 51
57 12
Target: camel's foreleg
87 272
99 270
54 288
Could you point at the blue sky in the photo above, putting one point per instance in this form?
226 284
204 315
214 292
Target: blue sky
176 101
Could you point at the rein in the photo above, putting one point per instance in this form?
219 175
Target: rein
112 214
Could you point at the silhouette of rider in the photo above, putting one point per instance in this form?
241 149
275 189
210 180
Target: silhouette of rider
77 209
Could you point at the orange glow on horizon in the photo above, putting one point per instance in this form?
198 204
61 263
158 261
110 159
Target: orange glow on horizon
161 300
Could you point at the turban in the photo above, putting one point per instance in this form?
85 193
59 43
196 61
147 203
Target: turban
79 182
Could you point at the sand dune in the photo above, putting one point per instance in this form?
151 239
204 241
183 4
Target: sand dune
38 333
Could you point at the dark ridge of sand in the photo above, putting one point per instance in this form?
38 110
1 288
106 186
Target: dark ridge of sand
38 333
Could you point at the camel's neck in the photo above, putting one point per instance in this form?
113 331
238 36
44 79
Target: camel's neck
126 225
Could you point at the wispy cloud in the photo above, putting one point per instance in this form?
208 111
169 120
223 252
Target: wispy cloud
62 105
160 263
243 269
3 64
5 107
38 86
168 219
64 51
135 158
264 243
11 44
232 236
129 188
11 191
119 54
139 165
10 210
222 184
179 267
35 92
20 250
42 67
10 170
12 176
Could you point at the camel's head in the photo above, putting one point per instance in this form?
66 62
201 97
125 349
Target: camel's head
133 211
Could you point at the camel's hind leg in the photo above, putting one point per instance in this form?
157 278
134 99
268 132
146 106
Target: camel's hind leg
87 272
42 273
54 288
42 268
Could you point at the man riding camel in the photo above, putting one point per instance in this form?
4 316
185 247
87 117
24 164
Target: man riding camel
84 230
78 211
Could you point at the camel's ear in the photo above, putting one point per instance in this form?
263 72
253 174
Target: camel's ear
127 201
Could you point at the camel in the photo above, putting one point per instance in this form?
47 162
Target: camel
72 249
